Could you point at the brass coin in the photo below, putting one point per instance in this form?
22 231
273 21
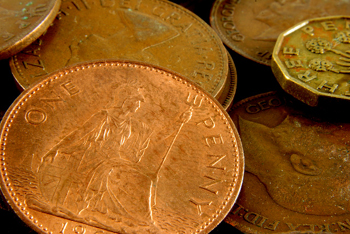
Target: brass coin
22 22
153 31
311 60
228 94
296 174
251 27
119 147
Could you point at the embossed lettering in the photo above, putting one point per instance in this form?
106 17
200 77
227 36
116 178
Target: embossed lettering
195 102
79 229
107 3
35 116
216 161
291 51
70 88
292 227
7 36
329 88
214 140
206 186
84 3
293 63
52 100
252 218
265 54
309 30
199 205
127 4
263 105
323 228
207 65
64 226
39 64
172 18
344 226
328 26
306 77
203 75
272 226
208 122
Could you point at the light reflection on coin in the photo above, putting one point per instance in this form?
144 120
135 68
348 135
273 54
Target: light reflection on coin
22 22
251 27
154 31
119 147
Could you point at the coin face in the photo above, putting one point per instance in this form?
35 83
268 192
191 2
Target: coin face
296 169
119 147
22 22
154 31
251 27
311 60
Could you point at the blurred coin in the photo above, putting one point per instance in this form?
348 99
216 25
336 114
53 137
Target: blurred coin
22 22
119 147
311 60
154 31
251 27
297 169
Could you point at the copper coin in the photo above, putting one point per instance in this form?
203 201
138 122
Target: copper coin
251 27
153 31
297 169
119 147
22 22
228 94
311 60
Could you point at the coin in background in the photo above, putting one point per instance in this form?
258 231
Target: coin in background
119 147
251 27
311 60
297 165
22 22
154 31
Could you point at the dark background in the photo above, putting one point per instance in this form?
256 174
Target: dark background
252 79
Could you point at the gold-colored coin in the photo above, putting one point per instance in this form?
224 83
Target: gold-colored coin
153 31
251 27
296 175
311 60
119 147
22 22
230 87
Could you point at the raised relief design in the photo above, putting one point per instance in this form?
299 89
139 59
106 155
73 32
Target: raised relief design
132 31
96 175
309 160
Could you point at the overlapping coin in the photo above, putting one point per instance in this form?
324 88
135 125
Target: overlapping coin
22 22
119 147
153 31
297 162
311 60
251 27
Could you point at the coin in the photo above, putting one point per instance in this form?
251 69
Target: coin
251 27
119 147
297 165
228 94
153 31
22 22
311 60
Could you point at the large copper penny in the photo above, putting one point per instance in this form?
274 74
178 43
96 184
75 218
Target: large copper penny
22 22
118 147
154 31
311 60
297 169
251 27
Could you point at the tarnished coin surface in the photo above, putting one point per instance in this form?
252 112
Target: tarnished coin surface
297 169
119 147
251 27
311 60
228 94
154 31
22 22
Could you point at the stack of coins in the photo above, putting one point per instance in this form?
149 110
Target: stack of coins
120 124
